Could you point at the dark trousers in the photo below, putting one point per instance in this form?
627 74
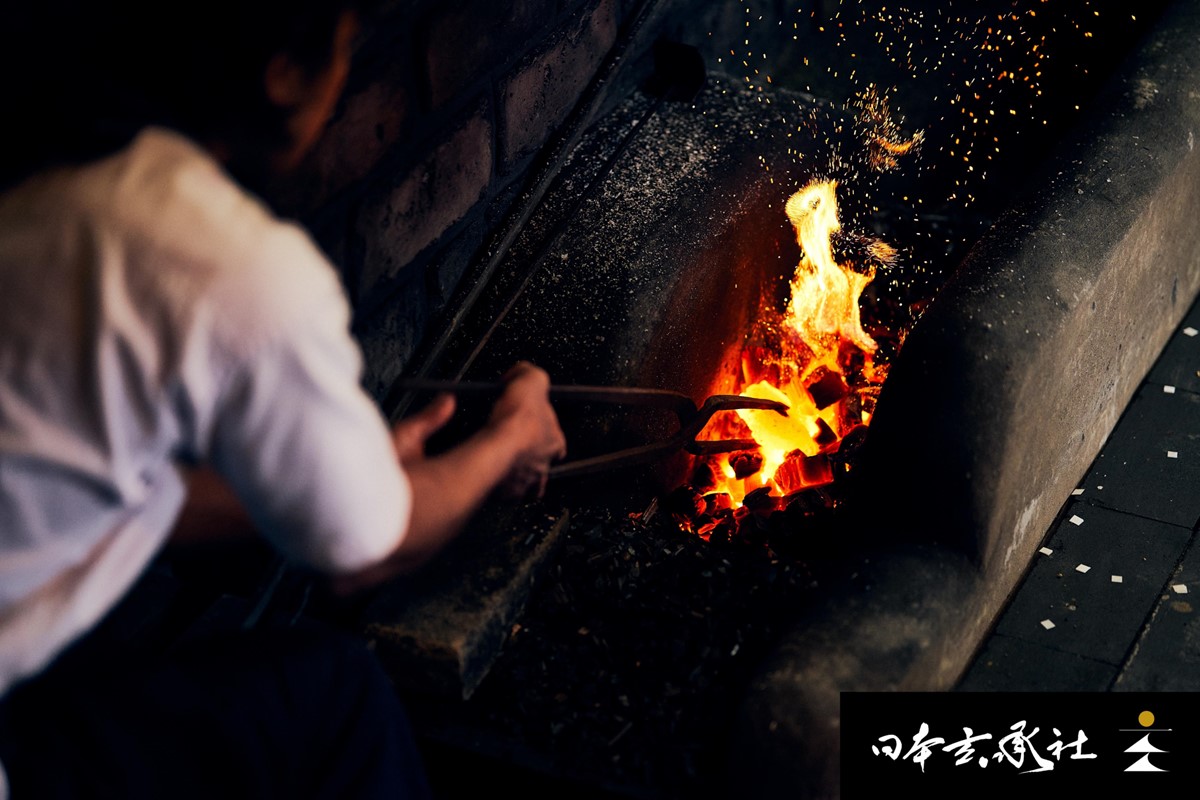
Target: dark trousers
278 713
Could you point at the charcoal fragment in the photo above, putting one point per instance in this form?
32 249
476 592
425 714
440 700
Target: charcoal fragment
685 502
799 471
704 477
851 410
806 501
760 500
854 439
826 387
717 501
826 436
746 463
852 361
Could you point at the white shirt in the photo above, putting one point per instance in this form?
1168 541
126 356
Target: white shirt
152 313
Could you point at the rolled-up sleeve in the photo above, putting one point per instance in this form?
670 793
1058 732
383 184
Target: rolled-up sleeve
298 439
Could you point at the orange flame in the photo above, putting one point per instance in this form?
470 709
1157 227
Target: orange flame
824 305
823 351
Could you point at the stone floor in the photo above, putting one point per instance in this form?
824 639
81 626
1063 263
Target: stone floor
1109 602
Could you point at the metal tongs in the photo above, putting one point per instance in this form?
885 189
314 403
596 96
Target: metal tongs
692 419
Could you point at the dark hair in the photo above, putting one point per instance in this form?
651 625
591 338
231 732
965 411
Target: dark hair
84 76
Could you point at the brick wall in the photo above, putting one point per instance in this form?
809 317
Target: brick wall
447 106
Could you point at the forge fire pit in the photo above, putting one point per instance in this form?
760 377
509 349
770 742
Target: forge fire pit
997 403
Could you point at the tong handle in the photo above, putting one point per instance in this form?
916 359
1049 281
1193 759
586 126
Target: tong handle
619 395
692 419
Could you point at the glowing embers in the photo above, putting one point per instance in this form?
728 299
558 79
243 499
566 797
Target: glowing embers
820 362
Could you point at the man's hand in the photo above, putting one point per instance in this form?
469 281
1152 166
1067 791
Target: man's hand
410 435
512 453
524 411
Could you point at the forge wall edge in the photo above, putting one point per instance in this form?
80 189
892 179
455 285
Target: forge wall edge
999 401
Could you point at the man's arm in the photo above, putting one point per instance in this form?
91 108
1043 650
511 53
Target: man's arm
512 452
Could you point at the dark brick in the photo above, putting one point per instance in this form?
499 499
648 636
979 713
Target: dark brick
465 41
538 96
371 122
400 222
392 336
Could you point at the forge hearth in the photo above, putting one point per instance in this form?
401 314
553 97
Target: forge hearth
998 401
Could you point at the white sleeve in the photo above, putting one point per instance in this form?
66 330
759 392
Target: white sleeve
298 439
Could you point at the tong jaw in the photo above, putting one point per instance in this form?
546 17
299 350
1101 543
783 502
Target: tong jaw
691 421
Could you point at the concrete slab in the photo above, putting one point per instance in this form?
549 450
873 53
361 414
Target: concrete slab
1006 664
1179 365
1150 466
1073 587
1167 656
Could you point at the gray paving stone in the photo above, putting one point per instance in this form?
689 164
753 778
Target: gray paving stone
1179 365
1167 658
1092 615
1007 664
1136 471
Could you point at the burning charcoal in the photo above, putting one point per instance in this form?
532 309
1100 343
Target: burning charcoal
719 527
724 528
746 463
826 387
805 501
852 361
760 500
760 364
867 396
799 471
751 525
825 434
717 501
685 502
704 477
851 411
721 532
854 439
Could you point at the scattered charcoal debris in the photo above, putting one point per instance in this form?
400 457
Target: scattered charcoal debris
632 654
